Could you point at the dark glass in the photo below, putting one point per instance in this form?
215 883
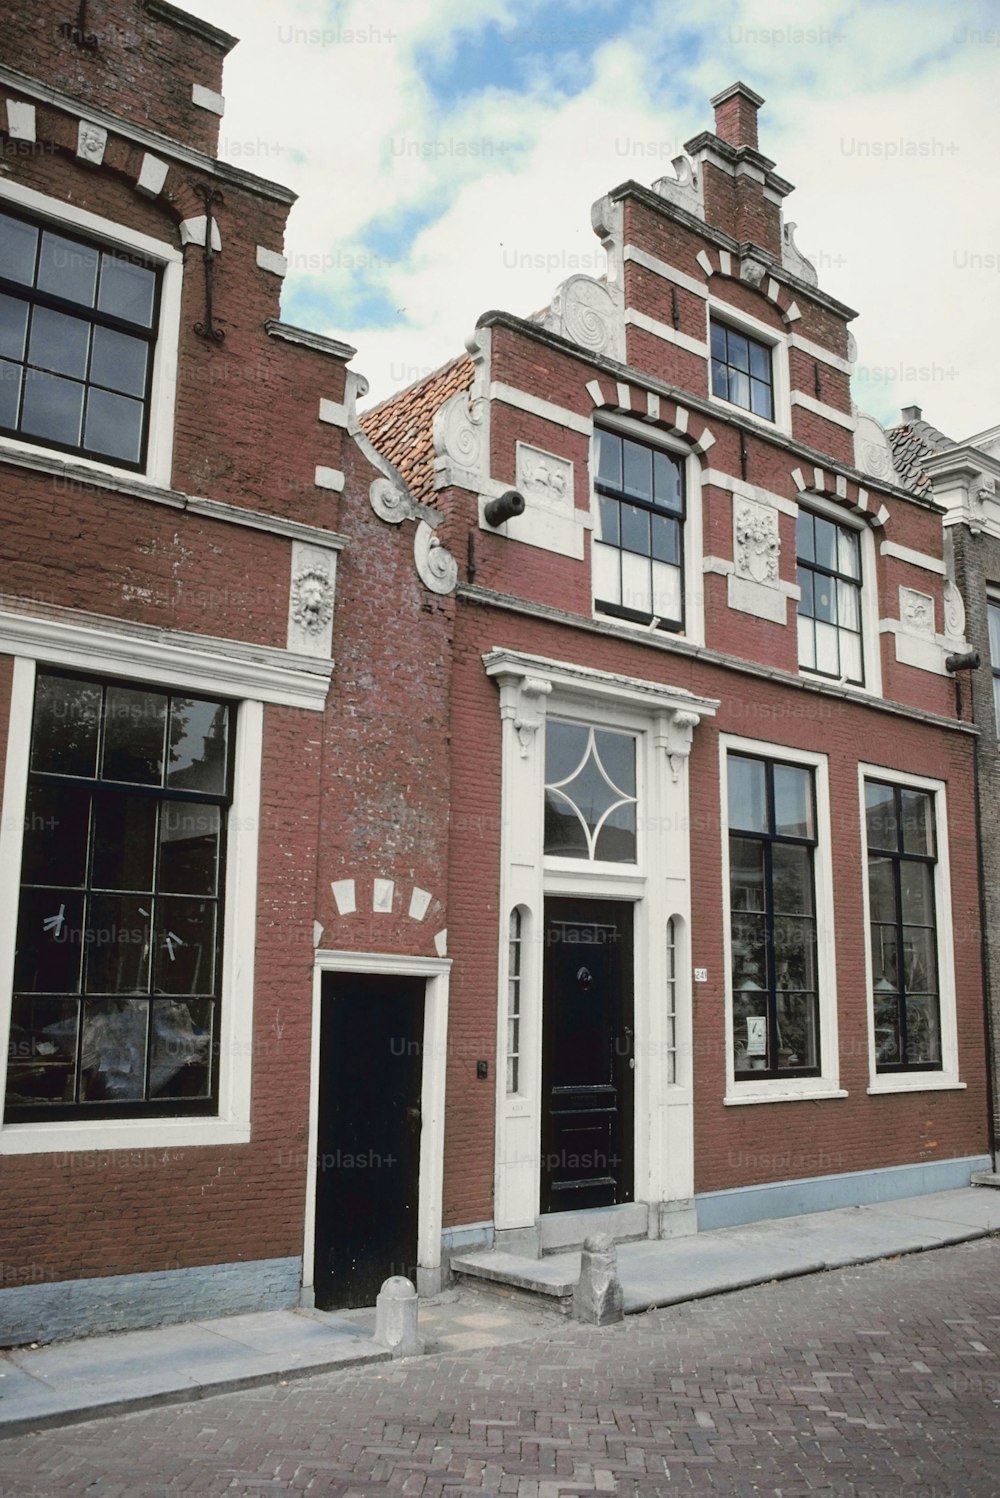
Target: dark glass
617 756
609 459
667 481
565 747
13 327
718 342
134 726
826 543
565 835
635 530
41 1052
198 747
791 874
114 426
127 290
67 719
124 843
189 848
793 814
184 961
49 941
68 269
738 356
637 471
923 1030
610 532
113 1050
747 794
918 822
760 362
761 402
53 408
180 1056
880 816
746 874
18 245
666 540
117 941
10 393
59 343
881 889
56 828
119 362
804 539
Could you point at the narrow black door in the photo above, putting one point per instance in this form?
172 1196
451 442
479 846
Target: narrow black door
368 1142
587 1055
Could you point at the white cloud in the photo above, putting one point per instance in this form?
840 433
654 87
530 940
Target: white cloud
882 115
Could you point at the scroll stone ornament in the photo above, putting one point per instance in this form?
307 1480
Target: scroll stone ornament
954 612
436 567
585 312
389 502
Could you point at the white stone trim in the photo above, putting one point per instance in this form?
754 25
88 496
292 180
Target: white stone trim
436 970
334 413
21 120
667 271
194 231
786 1089
270 260
232 1124
914 558
743 489
665 332
947 1077
816 351
152 176
820 408
329 478
204 663
159 453
535 406
724 312
91 143
207 98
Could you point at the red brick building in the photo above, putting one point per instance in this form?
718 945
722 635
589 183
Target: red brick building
383 875
197 802
713 867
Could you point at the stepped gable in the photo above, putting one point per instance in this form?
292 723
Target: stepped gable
402 426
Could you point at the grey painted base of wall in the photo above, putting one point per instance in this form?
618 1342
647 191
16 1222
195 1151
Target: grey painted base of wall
126 1302
726 1209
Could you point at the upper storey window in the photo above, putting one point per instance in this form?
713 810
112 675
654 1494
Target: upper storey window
741 371
639 548
829 573
77 334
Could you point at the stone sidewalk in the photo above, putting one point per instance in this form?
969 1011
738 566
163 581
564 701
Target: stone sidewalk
74 1381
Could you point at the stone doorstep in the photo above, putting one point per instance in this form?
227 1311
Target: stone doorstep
986 1178
565 1232
549 1281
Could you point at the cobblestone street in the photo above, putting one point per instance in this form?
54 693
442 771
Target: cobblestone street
873 1381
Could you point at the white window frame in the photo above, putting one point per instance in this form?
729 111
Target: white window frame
993 602
717 310
691 531
947 1078
231 1125
871 646
169 261
792 1089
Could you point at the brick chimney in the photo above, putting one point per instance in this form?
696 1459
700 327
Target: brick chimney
736 115
742 193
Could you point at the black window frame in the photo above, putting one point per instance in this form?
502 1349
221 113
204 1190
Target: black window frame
36 297
610 494
768 992
725 372
898 857
97 790
807 571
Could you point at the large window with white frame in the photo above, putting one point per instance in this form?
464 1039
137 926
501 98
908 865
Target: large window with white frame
830 611
638 548
993 615
89 322
117 975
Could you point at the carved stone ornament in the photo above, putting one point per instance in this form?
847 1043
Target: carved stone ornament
684 187
312 599
954 612
872 452
753 272
436 567
587 313
675 734
793 258
91 143
544 476
458 434
756 544
389 502
530 712
916 610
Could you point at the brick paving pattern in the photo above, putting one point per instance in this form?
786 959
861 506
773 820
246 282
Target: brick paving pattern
863 1382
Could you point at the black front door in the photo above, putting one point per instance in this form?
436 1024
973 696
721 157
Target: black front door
587 1055
368 1141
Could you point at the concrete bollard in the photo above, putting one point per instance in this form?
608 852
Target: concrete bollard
597 1295
396 1318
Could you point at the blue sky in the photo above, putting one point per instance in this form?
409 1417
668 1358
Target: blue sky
447 157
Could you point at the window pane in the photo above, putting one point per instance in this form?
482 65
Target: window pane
793 816
918 822
794 953
565 749
826 543
117 941
848 552
923 1031
667 481
124 843
747 794
59 343
880 816
609 521
616 753
746 874
881 890
10 393
993 612
635 529
919 960
127 290
114 426
609 459
827 650
739 353
849 606
68 269
739 388
798 1030
615 843
791 876
666 539
887 1045
189 848
53 408
760 362
824 598
18 243
49 941
67 717
113 1050
667 601
637 587
917 891
760 399
185 947
807 644
720 379
805 582
607 573
565 834
56 827
637 475
180 1061
133 736
804 541
119 362
885 967
749 935
42 1051
13 326
718 342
